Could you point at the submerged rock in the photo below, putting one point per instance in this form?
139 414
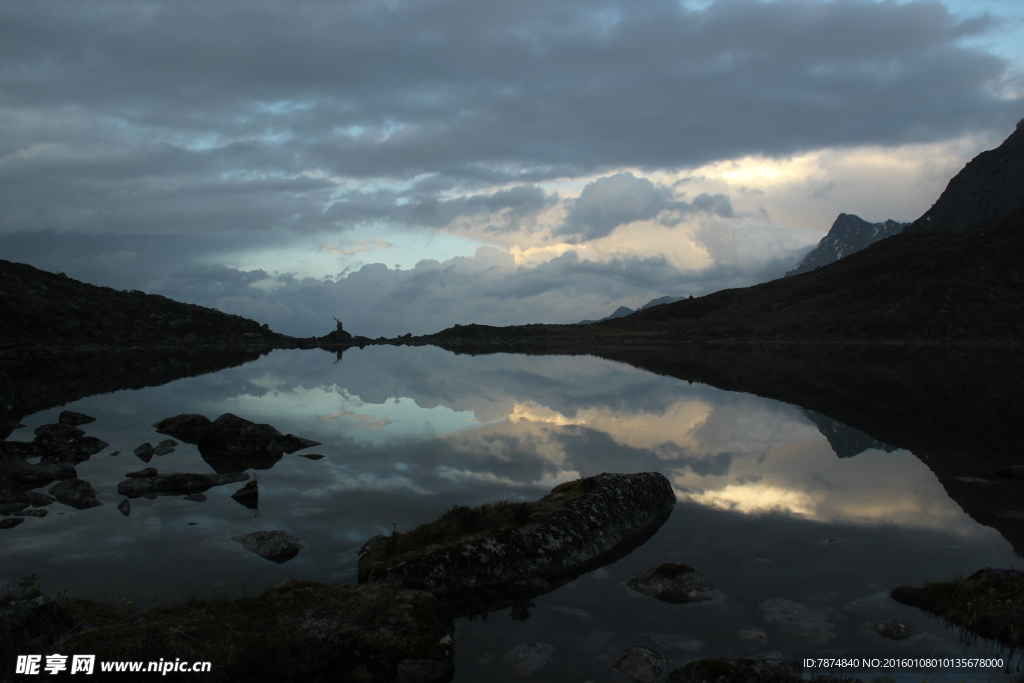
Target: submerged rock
640 664
77 493
673 582
176 483
892 629
276 546
10 522
125 507
811 624
527 659
578 526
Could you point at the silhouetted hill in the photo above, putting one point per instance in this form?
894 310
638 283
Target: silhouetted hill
42 309
989 186
848 235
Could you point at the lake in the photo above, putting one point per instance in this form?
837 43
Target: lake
776 503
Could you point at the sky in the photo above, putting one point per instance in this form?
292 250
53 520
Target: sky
406 165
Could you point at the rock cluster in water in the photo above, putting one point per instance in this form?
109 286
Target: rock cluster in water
673 582
59 447
587 520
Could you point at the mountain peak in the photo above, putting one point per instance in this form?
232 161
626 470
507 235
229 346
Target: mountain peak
849 234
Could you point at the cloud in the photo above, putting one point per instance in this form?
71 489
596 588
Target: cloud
358 247
187 117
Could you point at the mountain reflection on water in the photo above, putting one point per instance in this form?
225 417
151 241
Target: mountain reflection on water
776 501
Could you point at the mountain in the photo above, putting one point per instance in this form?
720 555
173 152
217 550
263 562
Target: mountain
623 311
661 300
989 186
39 309
951 280
848 234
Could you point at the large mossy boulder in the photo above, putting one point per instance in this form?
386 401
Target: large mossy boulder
508 546
296 631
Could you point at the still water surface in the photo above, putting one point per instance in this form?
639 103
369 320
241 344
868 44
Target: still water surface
766 508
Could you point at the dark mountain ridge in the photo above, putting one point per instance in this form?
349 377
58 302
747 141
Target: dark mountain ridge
40 309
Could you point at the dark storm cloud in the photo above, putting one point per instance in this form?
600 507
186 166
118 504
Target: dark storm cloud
186 110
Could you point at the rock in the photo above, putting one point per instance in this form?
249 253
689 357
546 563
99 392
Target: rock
145 472
577 527
70 417
892 629
675 641
793 617
674 583
38 500
16 474
187 427
163 450
176 483
60 431
196 497
424 671
640 664
276 546
31 513
13 508
145 452
311 456
232 433
527 659
753 634
715 670
169 443
248 495
10 522
125 507
77 493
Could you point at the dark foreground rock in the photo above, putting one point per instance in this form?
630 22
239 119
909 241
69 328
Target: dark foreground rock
989 602
673 582
296 631
277 546
573 529
176 483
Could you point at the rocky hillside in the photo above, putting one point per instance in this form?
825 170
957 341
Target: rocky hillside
990 186
848 235
38 308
